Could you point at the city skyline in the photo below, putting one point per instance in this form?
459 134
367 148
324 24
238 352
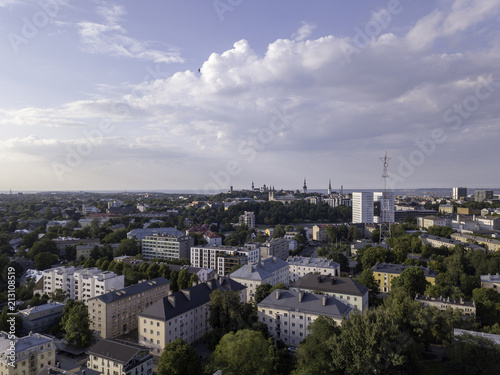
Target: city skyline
110 95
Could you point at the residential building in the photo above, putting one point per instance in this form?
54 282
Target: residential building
319 232
184 315
248 219
26 355
119 358
268 271
491 281
275 247
140 234
115 313
468 307
301 266
345 289
488 223
289 313
436 241
86 209
431 221
63 242
362 207
166 246
483 195
42 317
446 209
222 258
490 243
384 273
459 193
213 239
81 284
468 211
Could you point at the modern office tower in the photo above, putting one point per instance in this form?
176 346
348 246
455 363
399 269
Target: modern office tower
483 195
362 207
459 193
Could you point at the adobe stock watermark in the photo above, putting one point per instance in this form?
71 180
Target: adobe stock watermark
248 149
31 26
224 6
372 29
455 115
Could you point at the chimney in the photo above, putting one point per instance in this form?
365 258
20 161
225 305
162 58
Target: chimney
319 279
301 295
277 294
325 298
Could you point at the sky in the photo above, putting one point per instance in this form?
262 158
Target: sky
202 95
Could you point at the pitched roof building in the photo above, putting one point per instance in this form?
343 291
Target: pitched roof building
385 272
301 266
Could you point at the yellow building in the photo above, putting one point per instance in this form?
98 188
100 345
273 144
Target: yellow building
26 355
384 273
490 243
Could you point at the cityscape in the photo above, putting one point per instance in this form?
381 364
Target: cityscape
230 187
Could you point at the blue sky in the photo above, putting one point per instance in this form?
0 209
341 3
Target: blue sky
102 95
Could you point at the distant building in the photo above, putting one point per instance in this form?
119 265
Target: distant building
113 357
213 239
483 195
31 353
301 266
275 247
491 281
384 273
446 242
459 193
446 209
115 313
222 258
184 315
431 221
362 207
248 219
166 246
319 232
140 234
42 317
378 201
490 243
268 271
345 289
468 307
288 314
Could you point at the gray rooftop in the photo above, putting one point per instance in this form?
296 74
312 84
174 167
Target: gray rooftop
116 351
398 268
312 262
131 290
448 301
331 284
40 308
140 234
309 303
261 270
188 299
22 343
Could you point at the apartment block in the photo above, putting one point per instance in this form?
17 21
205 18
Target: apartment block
268 271
41 318
223 258
447 242
362 207
431 221
490 243
468 308
30 353
184 314
319 232
115 313
81 284
459 193
384 273
119 358
275 247
248 219
301 266
288 313
345 289
166 246
491 281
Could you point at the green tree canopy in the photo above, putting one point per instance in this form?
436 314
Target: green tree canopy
412 280
179 358
75 323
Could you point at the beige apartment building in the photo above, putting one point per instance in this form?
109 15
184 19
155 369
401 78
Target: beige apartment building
115 313
184 315
468 307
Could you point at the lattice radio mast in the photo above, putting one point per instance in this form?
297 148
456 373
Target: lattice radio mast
385 208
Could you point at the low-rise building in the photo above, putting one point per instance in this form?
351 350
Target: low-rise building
118 358
491 281
447 242
384 273
432 221
490 243
41 318
301 266
115 313
345 289
25 355
289 313
166 246
268 271
184 314
468 307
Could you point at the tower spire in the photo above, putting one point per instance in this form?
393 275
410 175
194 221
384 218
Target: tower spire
385 204
304 188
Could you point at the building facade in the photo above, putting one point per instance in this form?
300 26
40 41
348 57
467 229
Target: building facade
223 258
166 246
41 318
184 315
468 308
301 266
362 207
248 219
115 313
118 358
491 281
275 247
489 243
288 313
384 273
345 289
459 193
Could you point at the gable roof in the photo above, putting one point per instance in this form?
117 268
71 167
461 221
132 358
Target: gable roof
331 284
131 290
116 351
261 270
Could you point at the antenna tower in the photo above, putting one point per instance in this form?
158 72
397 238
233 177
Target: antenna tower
385 208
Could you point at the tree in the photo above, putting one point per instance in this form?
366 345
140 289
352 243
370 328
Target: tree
368 279
127 247
75 323
183 279
45 245
245 352
471 355
412 280
58 295
179 358
45 260
225 310
262 291
194 279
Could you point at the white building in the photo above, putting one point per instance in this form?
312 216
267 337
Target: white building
81 284
459 193
362 207
166 246
248 219
222 258
377 197
275 247
301 266
268 271
89 209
